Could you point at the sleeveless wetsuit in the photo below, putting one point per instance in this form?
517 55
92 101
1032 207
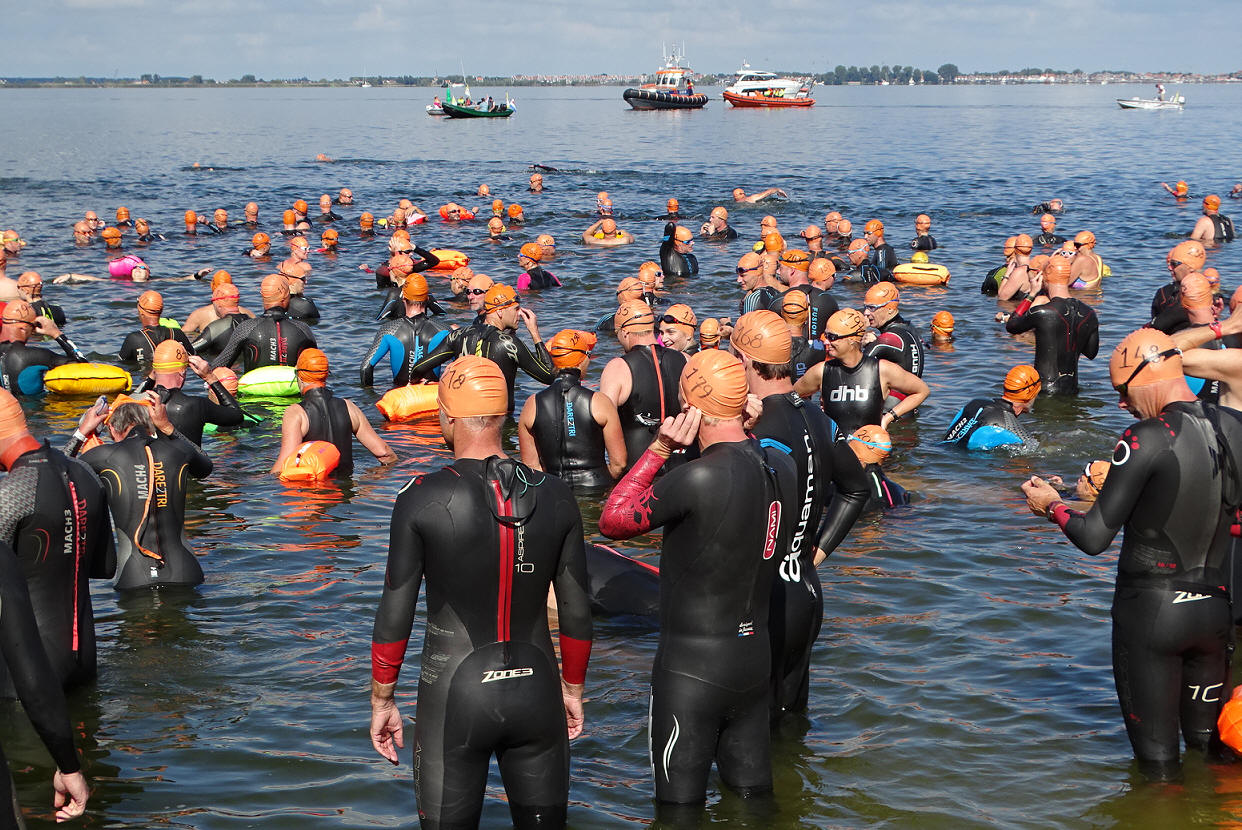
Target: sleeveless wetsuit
140 345
536 277
190 413
805 433
303 308
725 533
1172 627
1064 328
501 347
22 366
146 480
923 242
805 354
328 420
985 424
491 536
992 280
673 262
569 441
1222 228
822 306
211 340
54 514
899 343
404 341
1049 239
655 372
271 339
852 397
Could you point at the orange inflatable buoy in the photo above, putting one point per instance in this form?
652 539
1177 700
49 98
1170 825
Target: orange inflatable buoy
450 260
314 461
405 403
915 273
1229 724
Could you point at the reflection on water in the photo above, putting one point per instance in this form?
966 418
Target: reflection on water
962 678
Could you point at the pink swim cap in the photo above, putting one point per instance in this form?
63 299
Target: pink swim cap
125 266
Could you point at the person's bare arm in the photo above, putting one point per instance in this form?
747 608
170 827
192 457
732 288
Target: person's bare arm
292 432
810 383
893 377
526 440
368 437
1204 230
616 381
604 411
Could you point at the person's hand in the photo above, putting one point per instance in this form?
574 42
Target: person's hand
781 193
886 420
575 718
387 735
1055 481
677 433
93 418
1040 495
1037 283
528 317
1001 317
869 337
44 325
71 795
159 414
753 411
1237 188
201 368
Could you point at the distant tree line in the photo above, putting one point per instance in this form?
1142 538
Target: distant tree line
897 74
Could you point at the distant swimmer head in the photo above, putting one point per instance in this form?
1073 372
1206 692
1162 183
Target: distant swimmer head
1057 271
473 387
226 295
228 378
1211 203
919 258
1144 357
142 227
122 214
260 240
673 205
822 271
366 221
398 217
1196 292
169 357
536 179
547 242
709 333
515 211
571 348
767 224
847 322
312 367
191 218
345 195
329 238
299 245
738 194
795 308
274 290
1010 246
831 219
811 232
1022 384
922 223
152 302
460 279
480 284
12 418
532 251
845 228
1056 205
796 259
763 336
1048 222
483 190
415 289
1022 243
221 216
1182 188
251 210
1084 239
289 218
220 278
634 317
498 207
773 243
1213 278
496 225
874 226
111 237
943 323
1189 255
858 251
720 213
871 444
715 382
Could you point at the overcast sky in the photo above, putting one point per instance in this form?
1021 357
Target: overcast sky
225 39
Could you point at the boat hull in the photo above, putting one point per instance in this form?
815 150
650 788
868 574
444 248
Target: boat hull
1149 104
653 99
766 101
454 111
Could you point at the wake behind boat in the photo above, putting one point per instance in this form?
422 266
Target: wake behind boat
673 88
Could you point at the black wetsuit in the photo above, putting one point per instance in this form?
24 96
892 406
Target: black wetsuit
822 306
54 514
984 424
139 346
1172 626
569 441
146 480
1065 328
490 536
759 298
539 278
328 420
726 235
1047 239
43 308
883 492
923 242
852 397
501 347
880 264
303 308
655 372
22 366
426 261
211 340
330 216
992 280
673 262
404 341
805 433
805 354
725 533
1167 314
271 339
190 413
899 343
1222 228
40 694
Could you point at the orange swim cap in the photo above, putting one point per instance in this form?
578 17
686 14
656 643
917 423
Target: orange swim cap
773 243
1022 384
859 245
312 367
289 217
1211 202
274 289
169 356
682 315
142 226
749 262
1097 473
715 382
12 418
227 295
1057 271
1213 278
881 294
515 211
191 218
299 242
152 302
631 285
259 240
1048 222
871 444
795 308
330 235
18 311
844 227
497 206
762 336
634 316
496 225
532 251
821 269
415 289
220 215
672 205
832 216
798 260
1196 292
1190 253
300 206
720 213
847 322
1084 238
602 196
482 281
943 322
1182 188
29 279
608 227
220 278
873 226
922 220
546 240
1022 243
570 348
122 213
366 220
1038 262
683 234
1229 722
1144 357
226 376
811 232
1009 246
709 333
111 234
473 387
499 297
768 221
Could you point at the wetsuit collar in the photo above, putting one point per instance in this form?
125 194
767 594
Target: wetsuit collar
23 445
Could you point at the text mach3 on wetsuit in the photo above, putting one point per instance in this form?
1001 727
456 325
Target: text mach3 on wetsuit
794 426
852 397
501 347
724 534
22 366
654 374
490 536
215 335
984 424
569 442
54 514
899 343
1065 327
146 479
271 339
327 419
1171 611
404 341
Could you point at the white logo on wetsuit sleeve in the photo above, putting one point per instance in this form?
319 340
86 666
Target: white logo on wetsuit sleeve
1187 596
506 674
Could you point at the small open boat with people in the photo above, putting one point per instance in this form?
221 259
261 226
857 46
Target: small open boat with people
458 104
751 88
673 88
1177 102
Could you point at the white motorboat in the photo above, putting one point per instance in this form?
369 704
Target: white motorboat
1174 103
747 81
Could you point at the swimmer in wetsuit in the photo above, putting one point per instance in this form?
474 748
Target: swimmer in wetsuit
30 289
406 340
321 416
793 269
826 470
1049 238
896 339
190 413
642 382
757 294
139 346
923 240
271 339
717 228
1065 327
228 316
804 353
22 366
676 259
1167 314
725 531
534 276
1213 226
565 429
260 247
872 446
984 424
54 514
1174 487
494 339
882 258
853 387
677 327
146 471
488 534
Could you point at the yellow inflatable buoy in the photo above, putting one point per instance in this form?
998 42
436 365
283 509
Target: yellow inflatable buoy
87 379
405 403
450 260
915 273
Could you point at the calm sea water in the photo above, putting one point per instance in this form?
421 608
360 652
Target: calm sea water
962 677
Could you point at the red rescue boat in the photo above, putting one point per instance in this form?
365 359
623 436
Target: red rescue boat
757 99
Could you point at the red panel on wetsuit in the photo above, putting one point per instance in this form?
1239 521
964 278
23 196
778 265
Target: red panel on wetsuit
574 656
504 596
386 659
